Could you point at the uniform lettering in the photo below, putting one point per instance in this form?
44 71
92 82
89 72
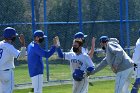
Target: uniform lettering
76 61
1 51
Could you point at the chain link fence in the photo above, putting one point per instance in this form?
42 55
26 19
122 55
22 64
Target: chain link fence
100 17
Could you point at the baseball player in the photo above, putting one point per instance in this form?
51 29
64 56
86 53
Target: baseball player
35 63
85 50
7 55
136 59
81 66
120 63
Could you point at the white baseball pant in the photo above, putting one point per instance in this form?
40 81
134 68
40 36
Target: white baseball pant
80 86
6 81
123 81
37 83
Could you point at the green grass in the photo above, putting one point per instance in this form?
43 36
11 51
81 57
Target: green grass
98 87
57 72
62 72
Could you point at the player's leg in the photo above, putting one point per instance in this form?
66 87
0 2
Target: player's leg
37 83
121 79
126 87
127 76
80 86
118 88
136 86
0 86
8 81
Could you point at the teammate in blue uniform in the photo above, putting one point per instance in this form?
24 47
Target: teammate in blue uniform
7 54
35 63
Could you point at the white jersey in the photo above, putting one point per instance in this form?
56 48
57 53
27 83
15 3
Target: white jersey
81 61
136 57
7 55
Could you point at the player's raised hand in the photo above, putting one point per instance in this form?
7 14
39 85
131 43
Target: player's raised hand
22 40
91 52
93 42
56 41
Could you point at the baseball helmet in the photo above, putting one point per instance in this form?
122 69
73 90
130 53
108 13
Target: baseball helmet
9 32
79 35
39 33
78 75
104 39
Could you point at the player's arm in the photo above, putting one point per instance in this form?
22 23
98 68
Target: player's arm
91 52
41 52
100 66
65 56
58 49
16 53
90 66
60 53
22 53
47 54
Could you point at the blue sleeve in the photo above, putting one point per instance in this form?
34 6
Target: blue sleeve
60 53
44 53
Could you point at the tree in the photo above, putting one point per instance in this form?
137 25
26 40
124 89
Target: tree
38 11
12 11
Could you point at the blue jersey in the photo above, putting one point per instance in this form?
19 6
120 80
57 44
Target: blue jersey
35 54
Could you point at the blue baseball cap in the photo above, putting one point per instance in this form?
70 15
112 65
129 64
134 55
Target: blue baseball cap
39 33
79 35
9 32
104 39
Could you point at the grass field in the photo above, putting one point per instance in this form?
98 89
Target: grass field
98 87
62 72
57 72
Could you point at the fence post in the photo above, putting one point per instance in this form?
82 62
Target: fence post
80 15
33 16
46 39
121 26
127 27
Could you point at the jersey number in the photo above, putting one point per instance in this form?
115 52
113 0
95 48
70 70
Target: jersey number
1 51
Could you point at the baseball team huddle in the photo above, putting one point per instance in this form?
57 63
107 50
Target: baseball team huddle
81 64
